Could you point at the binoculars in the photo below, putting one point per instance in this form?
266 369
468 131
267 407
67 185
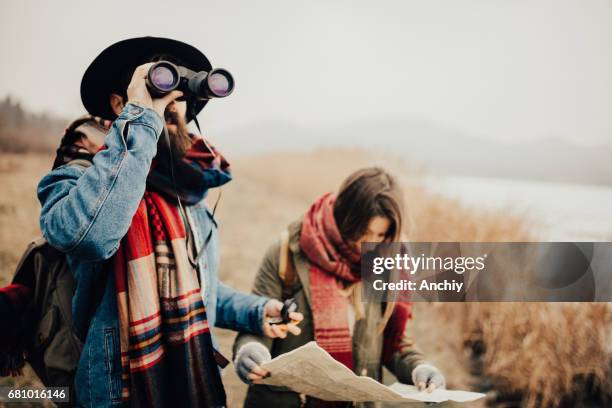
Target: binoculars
164 77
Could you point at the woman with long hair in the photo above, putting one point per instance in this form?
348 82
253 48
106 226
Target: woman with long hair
323 255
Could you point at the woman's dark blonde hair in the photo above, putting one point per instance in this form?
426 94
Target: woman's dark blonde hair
365 194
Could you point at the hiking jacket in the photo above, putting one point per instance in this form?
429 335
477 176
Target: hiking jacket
86 212
367 339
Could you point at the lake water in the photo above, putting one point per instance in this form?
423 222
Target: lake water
559 212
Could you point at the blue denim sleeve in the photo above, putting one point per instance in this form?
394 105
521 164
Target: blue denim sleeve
86 212
239 311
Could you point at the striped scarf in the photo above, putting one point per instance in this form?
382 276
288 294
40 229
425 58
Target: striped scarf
333 263
167 355
201 168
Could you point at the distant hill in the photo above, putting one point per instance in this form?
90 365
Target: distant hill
419 143
441 150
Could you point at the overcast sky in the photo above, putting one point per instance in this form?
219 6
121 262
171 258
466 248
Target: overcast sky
505 70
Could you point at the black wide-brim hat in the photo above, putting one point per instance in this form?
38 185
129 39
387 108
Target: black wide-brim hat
107 71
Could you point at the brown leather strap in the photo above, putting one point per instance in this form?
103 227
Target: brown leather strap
286 268
220 359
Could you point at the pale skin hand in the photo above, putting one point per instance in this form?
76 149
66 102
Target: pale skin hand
273 309
138 93
428 378
424 387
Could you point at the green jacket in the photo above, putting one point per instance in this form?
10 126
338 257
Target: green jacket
367 341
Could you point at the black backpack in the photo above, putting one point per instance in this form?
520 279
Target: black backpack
44 336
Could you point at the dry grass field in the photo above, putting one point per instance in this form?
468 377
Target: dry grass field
523 354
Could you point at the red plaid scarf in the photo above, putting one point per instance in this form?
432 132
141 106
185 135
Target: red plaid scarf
333 263
201 168
167 355
166 347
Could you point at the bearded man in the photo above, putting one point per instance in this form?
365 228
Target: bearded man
126 204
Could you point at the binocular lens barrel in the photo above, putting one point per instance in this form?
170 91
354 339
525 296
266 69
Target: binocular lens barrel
164 77
220 83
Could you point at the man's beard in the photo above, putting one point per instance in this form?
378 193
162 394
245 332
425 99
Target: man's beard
180 140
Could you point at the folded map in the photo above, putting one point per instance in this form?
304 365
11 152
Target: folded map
312 371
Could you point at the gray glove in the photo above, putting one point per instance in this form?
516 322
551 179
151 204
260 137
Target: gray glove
427 374
248 357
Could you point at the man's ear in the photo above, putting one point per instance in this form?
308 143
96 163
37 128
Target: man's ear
117 103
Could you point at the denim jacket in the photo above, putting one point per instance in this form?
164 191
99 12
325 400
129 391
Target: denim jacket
86 212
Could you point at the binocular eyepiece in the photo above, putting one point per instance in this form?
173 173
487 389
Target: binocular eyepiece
164 77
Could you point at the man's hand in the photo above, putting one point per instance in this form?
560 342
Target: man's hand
427 377
273 309
138 93
248 361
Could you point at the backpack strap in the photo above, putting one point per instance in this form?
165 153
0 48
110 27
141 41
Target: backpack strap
80 162
286 268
